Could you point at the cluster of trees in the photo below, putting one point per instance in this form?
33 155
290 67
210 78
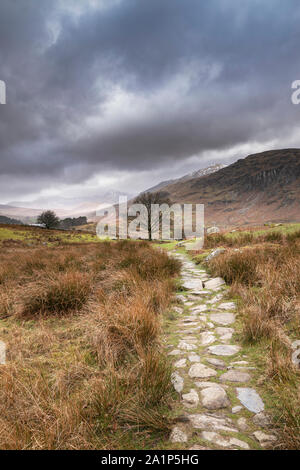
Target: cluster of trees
50 220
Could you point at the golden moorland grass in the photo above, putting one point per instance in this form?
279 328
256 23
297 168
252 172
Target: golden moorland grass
85 367
264 273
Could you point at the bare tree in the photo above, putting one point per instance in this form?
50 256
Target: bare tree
49 219
147 199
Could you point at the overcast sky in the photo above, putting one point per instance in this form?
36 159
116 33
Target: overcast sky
125 93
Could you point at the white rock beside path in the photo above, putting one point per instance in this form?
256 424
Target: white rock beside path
250 399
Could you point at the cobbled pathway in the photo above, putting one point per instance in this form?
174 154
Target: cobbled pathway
219 406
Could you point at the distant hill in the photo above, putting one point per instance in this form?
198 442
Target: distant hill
196 174
64 207
259 188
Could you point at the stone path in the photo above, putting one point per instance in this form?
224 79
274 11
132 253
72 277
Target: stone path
219 406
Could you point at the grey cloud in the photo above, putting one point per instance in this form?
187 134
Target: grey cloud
55 85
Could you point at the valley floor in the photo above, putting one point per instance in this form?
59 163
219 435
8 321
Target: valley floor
116 345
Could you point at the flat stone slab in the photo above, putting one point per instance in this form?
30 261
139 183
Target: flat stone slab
262 420
250 399
191 399
199 309
225 333
242 424
218 363
190 319
177 382
235 376
186 346
191 284
214 398
224 350
207 338
264 439
227 306
223 441
200 292
175 352
189 323
223 318
214 283
180 364
194 358
206 422
208 385
215 299
240 363
200 371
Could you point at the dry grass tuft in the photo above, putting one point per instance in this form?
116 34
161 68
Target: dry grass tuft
57 295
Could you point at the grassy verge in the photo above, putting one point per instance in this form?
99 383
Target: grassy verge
82 324
263 269
19 235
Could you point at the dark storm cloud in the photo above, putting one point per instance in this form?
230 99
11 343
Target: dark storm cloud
190 76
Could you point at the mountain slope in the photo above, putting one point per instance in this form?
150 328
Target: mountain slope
259 188
198 173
